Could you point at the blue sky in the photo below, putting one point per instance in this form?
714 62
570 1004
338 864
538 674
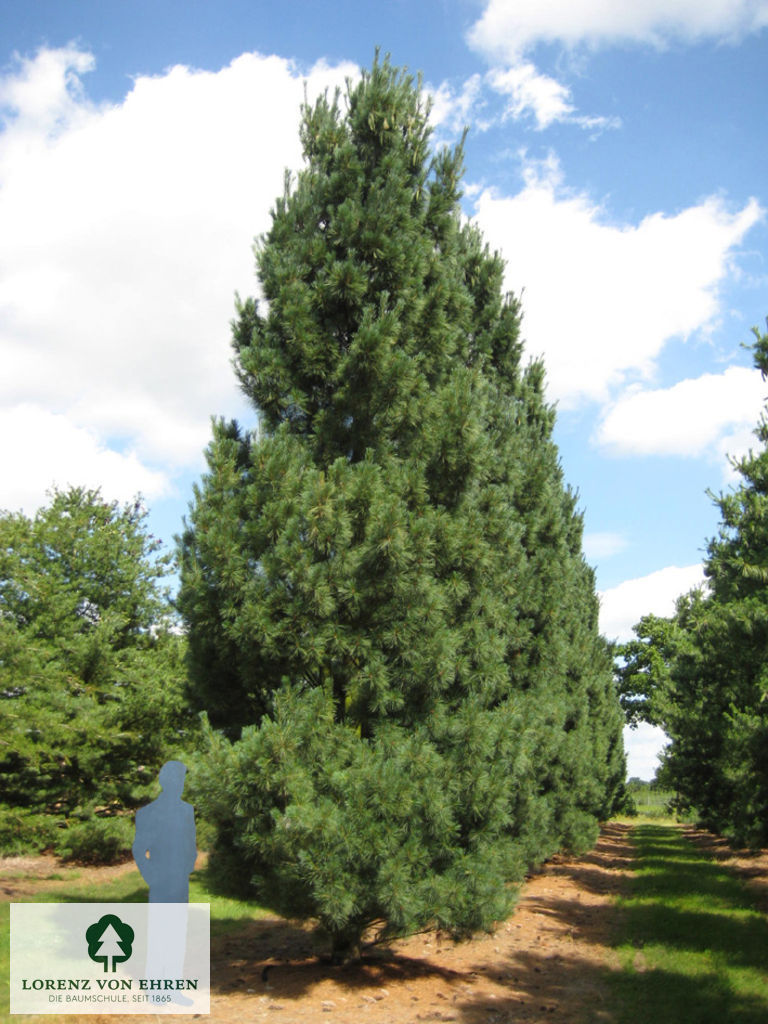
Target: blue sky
616 156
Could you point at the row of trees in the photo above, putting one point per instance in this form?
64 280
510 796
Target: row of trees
392 628
702 674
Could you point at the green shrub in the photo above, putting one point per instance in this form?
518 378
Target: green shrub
629 807
97 841
27 832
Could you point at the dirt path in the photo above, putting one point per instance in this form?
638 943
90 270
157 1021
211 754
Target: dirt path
549 962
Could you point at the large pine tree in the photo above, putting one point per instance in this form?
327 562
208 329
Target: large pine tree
391 622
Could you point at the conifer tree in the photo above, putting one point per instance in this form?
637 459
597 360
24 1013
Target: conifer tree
392 628
91 674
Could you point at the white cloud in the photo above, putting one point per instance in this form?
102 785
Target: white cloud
125 231
43 449
544 98
45 92
603 545
507 28
706 414
601 300
455 109
526 92
643 745
529 90
623 606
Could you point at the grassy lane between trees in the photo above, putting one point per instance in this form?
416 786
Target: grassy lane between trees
695 945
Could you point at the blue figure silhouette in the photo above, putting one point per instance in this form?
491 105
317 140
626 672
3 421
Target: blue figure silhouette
165 847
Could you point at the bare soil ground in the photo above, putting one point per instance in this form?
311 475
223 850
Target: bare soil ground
549 962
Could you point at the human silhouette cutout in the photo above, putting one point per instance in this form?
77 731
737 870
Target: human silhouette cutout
165 847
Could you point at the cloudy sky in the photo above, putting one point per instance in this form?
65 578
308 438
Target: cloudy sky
616 156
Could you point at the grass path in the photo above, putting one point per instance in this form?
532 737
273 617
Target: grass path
695 947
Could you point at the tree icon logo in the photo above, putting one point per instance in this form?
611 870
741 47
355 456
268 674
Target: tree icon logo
109 939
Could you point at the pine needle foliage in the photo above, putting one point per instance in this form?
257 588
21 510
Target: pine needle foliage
392 629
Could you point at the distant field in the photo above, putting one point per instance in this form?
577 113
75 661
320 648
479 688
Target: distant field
653 804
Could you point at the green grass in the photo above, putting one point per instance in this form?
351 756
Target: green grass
695 948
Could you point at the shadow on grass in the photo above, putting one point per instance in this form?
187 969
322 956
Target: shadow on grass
749 864
701 947
574 992
731 942
690 948
672 997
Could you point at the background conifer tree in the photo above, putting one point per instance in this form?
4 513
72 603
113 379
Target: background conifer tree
91 672
392 628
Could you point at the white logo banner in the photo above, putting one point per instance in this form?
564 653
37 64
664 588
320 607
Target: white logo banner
110 958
